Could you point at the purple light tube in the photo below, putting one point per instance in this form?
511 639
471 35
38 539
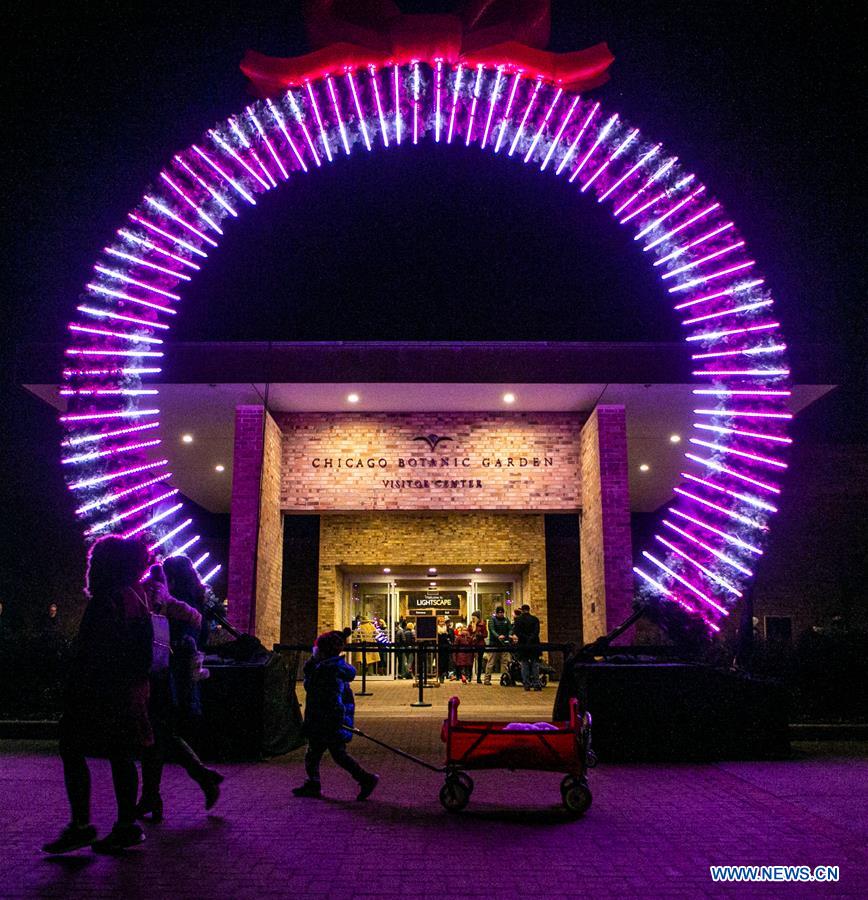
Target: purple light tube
612 156
415 103
152 521
149 245
729 538
108 499
263 168
101 373
267 141
204 184
572 148
185 546
129 257
707 572
648 182
114 451
337 108
698 262
265 171
742 413
458 77
211 574
281 124
727 292
119 517
113 273
690 587
236 130
743 373
610 190
121 335
666 192
679 228
101 479
744 351
732 311
191 203
542 127
506 113
296 111
722 273
438 83
744 455
383 133
760 435
651 226
121 414
600 138
200 560
528 108
721 556
178 241
738 392
107 392
170 534
492 102
719 467
364 128
654 583
242 139
559 134
106 314
228 148
74 351
224 175
477 85
678 251
397 83
104 435
122 295
717 335
745 520
745 498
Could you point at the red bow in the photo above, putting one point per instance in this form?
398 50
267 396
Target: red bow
353 34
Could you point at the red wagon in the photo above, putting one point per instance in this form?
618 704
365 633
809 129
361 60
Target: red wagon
490 745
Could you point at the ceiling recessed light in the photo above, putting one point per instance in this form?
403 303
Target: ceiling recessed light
386 569
219 467
352 398
509 397
187 438
477 569
432 584
432 569
644 467
674 438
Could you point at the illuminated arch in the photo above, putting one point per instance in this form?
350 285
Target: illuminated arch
711 534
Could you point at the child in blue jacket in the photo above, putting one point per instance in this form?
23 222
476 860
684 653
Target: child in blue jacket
328 715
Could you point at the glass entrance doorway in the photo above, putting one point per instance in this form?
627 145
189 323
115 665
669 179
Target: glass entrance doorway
375 603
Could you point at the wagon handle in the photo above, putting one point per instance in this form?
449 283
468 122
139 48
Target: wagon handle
574 714
453 711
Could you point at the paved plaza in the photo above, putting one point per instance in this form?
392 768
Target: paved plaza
653 830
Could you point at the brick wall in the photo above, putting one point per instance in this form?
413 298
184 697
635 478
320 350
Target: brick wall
269 570
605 545
538 456
440 539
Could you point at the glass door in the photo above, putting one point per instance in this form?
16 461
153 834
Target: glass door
371 618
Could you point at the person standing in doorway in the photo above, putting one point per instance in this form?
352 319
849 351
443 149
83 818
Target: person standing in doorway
499 632
526 637
478 632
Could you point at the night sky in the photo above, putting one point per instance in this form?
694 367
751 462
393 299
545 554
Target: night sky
762 100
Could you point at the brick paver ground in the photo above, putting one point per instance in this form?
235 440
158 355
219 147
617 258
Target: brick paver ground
653 830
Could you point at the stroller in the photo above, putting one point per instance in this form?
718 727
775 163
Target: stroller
512 674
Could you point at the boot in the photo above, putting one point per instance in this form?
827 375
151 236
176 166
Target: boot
367 785
487 679
210 781
309 789
150 806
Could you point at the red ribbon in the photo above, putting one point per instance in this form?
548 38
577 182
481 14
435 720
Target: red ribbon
353 34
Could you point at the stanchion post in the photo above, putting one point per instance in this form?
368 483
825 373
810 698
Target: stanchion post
364 692
422 674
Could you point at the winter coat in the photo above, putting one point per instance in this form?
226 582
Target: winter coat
366 633
526 629
479 634
463 653
497 629
330 706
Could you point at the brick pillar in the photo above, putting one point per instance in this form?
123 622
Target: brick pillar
255 572
606 553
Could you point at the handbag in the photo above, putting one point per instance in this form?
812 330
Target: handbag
162 651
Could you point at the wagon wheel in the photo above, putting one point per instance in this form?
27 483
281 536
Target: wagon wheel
465 779
543 680
454 795
505 680
576 795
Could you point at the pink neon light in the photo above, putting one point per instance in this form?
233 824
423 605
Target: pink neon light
108 499
152 521
267 141
559 133
666 192
114 451
738 517
364 128
761 435
99 373
397 81
185 547
744 351
281 124
686 556
227 148
721 556
74 351
211 574
755 457
733 311
572 148
629 172
224 175
106 392
113 273
523 122
122 295
473 103
201 559
690 587
121 414
129 257
101 479
296 111
170 534
162 208
719 467
180 242
337 108
728 292
458 76
379 103
106 314
678 251
716 335
415 103
658 174
492 102
745 498
438 82
743 413
730 538
121 335
202 183
743 373
679 228
119 517
191 203
725 392
714 275
654 583
506 113
150 245
692 265
612 156
104 435
239 133
542 127
600 138
670 212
